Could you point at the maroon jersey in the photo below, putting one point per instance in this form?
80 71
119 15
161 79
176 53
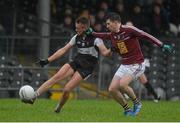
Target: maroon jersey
126 41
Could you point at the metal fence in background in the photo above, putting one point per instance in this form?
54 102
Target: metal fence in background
163 73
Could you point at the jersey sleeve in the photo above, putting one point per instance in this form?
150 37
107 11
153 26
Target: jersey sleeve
102 35
141 34
73 40
98 41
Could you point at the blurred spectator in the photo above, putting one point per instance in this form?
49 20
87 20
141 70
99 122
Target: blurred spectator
120 9
159 2
104 6
67 24
129 4
68 11
144 2
139 19
85 13
98 27
172 6
92 20
100 18
159 21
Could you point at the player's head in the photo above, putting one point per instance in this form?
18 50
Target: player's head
82 24
113 22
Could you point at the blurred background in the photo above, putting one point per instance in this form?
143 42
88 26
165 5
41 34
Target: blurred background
32 29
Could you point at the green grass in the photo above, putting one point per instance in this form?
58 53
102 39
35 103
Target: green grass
86 111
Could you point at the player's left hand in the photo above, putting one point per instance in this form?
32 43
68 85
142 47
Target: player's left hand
168 49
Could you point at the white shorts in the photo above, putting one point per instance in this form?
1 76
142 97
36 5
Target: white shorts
135 70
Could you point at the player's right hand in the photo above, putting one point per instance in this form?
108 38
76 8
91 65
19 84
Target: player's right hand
89 31
42 62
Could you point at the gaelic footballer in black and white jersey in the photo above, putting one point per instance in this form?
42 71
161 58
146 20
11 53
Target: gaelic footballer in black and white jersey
78 69
88 52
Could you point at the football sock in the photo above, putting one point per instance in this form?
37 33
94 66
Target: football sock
150 89
126 107
135 101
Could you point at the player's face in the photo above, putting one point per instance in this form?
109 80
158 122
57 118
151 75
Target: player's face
80 28
112 26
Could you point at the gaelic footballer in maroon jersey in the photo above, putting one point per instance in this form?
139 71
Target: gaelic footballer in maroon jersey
126 41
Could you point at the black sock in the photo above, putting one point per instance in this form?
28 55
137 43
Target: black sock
126 107
150 89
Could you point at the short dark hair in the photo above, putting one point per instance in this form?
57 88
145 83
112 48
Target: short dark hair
113 17
83 20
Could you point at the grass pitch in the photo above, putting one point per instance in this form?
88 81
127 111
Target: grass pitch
86 111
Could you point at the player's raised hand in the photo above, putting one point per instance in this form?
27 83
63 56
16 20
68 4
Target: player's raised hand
89 31
42 62
168 49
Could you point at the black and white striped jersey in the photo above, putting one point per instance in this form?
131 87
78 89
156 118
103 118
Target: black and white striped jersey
86 44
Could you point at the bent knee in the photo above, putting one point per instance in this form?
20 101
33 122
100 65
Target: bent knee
112 89
123 85
123 88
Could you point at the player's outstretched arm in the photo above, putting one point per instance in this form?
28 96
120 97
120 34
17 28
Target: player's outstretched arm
166 48
56 55
60 52
143 35
102 35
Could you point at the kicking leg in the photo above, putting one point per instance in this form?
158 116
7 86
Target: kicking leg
64 72
75 80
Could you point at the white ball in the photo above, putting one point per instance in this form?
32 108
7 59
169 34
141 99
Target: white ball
26 92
